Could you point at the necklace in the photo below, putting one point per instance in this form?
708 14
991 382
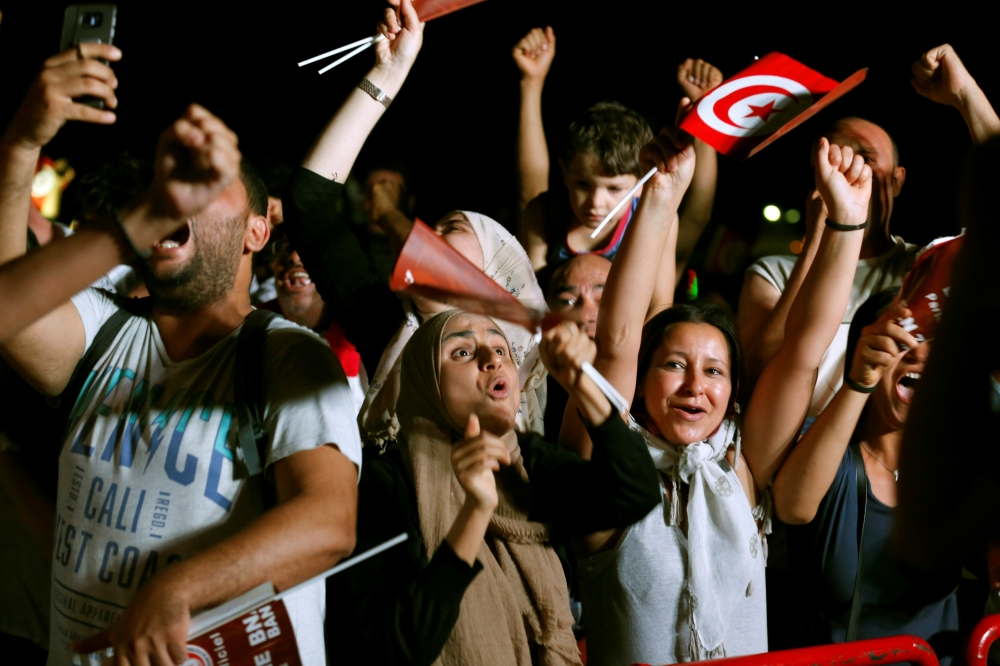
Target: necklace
895 472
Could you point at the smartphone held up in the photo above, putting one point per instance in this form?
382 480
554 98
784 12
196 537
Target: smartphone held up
93 23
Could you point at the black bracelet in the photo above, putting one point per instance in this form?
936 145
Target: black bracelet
860 388
128 240
846 227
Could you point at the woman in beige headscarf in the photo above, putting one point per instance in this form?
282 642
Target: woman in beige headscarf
484 242
478 582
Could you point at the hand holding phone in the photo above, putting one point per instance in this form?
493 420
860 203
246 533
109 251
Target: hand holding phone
52 97
88 24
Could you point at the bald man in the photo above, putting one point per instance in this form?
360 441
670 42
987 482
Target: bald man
772 282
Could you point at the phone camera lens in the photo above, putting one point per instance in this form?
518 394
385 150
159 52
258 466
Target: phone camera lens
93 20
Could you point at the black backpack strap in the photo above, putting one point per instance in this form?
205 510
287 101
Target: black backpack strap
862 487
134 307
248 389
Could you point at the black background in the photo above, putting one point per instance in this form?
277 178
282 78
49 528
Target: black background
455 120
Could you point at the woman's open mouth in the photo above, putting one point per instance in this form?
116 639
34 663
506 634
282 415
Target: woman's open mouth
499 389
689 412
174 241
906 386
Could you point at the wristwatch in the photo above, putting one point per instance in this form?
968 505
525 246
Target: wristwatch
377 93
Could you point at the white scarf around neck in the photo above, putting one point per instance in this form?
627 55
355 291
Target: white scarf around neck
723 540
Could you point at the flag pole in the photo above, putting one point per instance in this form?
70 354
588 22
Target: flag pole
621 203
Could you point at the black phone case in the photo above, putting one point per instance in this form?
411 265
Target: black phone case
88 23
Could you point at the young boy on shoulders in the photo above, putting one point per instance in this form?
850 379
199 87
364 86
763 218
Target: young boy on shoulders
600 164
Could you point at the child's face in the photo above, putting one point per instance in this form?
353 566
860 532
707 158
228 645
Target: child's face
593 193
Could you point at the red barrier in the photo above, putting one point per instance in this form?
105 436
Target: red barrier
987 631
880 651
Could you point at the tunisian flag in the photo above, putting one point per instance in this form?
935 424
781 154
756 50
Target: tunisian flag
768 99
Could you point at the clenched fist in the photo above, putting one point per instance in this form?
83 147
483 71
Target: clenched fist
535 52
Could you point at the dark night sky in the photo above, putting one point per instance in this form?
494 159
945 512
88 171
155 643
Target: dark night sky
454 121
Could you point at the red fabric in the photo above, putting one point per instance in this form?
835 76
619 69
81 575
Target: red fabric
763 102
432 9
349 357
925 288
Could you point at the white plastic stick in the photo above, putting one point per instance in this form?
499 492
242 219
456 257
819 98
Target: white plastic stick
346 57
264 593
626 198
372 552
366 40
616 399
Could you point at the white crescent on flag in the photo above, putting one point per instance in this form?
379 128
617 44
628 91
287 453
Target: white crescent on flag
765 101
753 105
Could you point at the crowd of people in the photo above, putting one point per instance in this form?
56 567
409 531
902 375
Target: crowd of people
208 384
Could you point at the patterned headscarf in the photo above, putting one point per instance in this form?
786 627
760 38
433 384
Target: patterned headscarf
506 263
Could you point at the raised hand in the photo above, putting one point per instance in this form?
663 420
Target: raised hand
880 345
474 459
564 349
672 153
697 77
940 76
387 196
535 52
49 102
404 35
844 181
196 160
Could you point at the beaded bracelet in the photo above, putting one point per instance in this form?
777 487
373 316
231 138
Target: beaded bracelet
860 388
846 227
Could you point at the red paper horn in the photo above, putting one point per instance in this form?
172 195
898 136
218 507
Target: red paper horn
429 267
432 9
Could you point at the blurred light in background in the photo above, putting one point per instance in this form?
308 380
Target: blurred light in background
792 216
772 213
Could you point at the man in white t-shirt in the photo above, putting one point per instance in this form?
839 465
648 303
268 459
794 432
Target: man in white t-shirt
156 516
772 282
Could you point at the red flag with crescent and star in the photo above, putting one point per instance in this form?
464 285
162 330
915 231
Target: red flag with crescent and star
768 99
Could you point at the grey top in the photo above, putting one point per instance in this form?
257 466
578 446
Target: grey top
631 596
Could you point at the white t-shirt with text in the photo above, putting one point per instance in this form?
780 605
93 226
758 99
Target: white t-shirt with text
147 475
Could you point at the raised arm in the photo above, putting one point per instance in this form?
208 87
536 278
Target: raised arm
329 249
46 108
763 310
533 55
782 395
696 77
940 76
631 283
336 148
196 160
807 474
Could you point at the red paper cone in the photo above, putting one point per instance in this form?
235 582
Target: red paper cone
432 9
429 267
